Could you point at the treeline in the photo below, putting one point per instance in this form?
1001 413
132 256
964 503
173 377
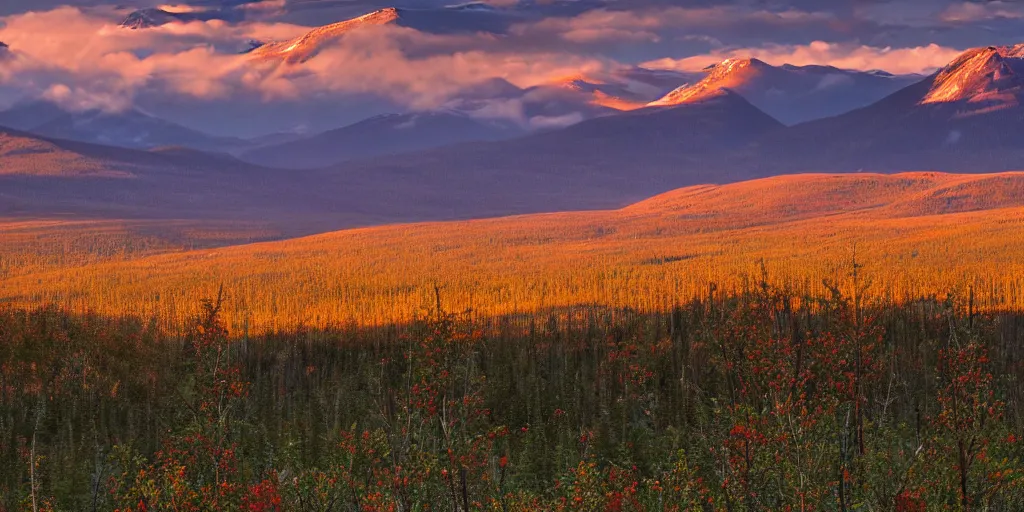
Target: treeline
757 401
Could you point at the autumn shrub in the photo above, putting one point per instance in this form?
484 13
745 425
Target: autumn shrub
762 400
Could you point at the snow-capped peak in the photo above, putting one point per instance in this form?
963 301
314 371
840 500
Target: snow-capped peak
727 74
306 46
730 65
992 74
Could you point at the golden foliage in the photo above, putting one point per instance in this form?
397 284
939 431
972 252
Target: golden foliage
915 235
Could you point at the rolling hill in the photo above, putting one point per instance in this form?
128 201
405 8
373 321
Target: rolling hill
29 155
914 235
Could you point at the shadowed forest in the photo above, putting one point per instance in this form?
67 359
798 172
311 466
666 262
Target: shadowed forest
755 400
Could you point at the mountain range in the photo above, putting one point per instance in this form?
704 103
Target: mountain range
381 135
308 45
130 129
963 118
793 94
429 16
788 93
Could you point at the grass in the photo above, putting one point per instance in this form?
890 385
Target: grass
915 235
32 246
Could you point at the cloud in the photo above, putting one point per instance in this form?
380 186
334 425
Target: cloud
91 63
969 12
939 13
81 58
655 24
920 59
85 61
180 8
374 60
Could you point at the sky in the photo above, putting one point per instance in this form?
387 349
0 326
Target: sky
72 51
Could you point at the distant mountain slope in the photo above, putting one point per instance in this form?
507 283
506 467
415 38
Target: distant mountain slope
42 177
544 106
307 46
986 78
24 154
792 94
541 108
625 89
381 135
600 163
129 129
451 19
716 121
964 118
27 115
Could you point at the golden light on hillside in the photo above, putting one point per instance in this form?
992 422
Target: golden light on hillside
915 235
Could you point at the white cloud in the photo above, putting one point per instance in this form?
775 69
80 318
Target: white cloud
921 59
89 62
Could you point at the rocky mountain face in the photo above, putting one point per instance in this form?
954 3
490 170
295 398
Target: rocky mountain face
981 79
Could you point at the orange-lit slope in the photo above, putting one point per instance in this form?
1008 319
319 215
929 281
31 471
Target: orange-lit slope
307 46
915 235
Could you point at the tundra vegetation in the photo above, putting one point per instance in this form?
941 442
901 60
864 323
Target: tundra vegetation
917 235
839 343
756 400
